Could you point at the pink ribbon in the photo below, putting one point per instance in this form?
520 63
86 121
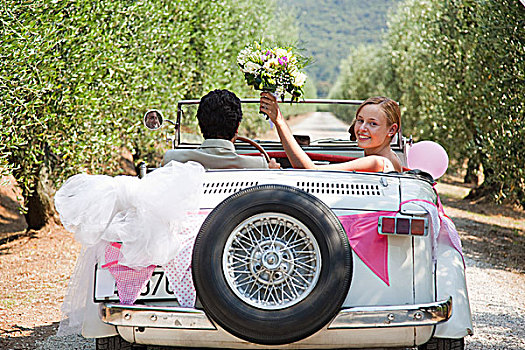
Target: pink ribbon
361 230
129 281
367 243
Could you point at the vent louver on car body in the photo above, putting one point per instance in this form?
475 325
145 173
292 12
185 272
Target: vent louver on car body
317 187
227 187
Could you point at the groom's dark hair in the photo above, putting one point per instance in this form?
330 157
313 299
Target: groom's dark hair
219 114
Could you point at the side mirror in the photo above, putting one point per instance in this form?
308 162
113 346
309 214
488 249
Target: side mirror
153 119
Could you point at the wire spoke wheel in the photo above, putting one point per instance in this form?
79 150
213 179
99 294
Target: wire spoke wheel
271 261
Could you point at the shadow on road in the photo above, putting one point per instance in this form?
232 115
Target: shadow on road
484 208
501 246
496 237
11 220
19 337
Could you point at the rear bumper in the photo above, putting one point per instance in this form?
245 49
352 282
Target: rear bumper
154 317
427 314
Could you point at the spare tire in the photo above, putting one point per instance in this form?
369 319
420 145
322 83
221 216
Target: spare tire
272 264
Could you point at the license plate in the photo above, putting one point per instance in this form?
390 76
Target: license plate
157 288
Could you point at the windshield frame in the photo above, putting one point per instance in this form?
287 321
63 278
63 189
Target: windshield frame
397 145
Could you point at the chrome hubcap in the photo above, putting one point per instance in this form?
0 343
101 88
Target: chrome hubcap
271 261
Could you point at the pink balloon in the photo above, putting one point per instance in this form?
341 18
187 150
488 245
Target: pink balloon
428 156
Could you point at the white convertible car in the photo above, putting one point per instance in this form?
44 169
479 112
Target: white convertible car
300 259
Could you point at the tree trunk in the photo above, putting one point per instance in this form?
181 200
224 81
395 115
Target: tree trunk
471 177
482 192
40 204
486 189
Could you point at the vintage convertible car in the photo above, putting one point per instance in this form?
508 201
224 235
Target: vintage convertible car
302 259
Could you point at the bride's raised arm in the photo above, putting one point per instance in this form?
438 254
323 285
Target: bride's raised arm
298 158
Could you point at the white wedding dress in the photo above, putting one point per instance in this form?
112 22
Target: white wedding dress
147 216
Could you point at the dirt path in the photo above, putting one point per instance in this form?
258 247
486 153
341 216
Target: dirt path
493 239
497 300
490 233
322 125
35 270
318 125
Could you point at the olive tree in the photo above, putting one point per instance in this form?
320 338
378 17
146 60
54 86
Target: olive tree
75 77
461 69
457 69
365 72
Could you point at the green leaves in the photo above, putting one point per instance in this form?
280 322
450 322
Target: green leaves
77 76
457 69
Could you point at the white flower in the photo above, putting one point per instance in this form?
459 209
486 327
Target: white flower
241 57
299 80
251 68
270 64
281 52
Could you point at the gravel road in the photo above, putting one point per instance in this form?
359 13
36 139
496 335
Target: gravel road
497 298
322 125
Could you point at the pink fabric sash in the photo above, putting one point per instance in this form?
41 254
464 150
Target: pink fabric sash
366 241
180 277
129 281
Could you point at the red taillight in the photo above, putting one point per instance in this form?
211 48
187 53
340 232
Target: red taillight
389 225
402 225
417 227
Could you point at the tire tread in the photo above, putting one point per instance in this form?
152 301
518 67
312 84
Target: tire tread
443 344
116 343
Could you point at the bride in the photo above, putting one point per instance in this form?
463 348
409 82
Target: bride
377 121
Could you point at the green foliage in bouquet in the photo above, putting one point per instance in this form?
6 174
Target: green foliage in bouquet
276 69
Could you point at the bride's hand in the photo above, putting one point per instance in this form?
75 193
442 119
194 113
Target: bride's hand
269 106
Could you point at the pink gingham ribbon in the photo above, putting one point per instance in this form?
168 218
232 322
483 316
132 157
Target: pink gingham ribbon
129 281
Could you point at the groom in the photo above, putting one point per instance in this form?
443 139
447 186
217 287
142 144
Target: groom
219 116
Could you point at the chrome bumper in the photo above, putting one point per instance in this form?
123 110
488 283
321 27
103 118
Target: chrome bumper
154 316
356 317
393 316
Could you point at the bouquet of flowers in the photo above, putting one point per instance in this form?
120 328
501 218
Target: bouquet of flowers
277 69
